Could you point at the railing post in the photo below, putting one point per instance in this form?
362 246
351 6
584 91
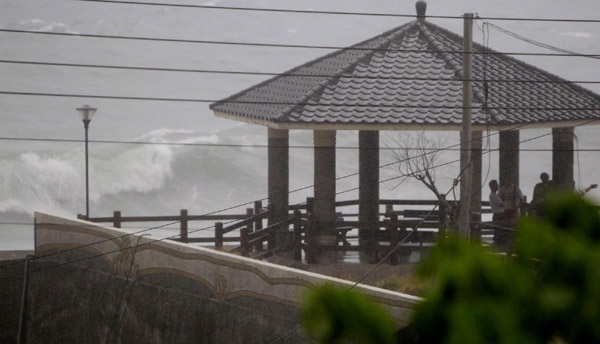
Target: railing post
258 224
389 208
310 205
271 235
442 226
308 239
393 230
117 219
297 236
475 227
218 235
374 242
183 228
249 213
244 241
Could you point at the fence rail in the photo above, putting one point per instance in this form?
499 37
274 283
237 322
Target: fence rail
250 234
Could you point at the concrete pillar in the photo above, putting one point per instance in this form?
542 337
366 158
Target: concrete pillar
562 157
368 194
324 190
476 161
509 157
278 174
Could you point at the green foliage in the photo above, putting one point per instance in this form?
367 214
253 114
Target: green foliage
334 315
549 292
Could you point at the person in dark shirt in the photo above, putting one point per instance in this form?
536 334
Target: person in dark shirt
539 193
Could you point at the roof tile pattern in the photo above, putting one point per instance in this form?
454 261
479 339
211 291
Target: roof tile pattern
383 81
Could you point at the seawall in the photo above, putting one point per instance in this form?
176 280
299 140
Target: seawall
90 284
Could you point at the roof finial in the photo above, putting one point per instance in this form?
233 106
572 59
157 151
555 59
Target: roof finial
421 9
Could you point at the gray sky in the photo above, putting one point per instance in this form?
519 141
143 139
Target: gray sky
135 118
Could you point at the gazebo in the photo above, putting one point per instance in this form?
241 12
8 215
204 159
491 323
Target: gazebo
409 78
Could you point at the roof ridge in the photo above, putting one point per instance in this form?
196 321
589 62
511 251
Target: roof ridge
523 64
439 49
476 93
384 39
317 87
309 63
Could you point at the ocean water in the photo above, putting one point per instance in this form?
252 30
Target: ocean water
182 173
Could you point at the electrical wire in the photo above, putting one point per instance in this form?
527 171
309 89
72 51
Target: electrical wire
232 145
369 272
485 32
567 20
536 43
225 209
243 204
165 238
433 150
233 207
229 208
123 294
258 102
286 74
380 262
279 45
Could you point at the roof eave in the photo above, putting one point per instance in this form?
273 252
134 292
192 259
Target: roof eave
401 126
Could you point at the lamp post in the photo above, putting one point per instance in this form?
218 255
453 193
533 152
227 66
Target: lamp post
86 112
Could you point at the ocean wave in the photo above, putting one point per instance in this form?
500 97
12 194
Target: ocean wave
122 174
13 206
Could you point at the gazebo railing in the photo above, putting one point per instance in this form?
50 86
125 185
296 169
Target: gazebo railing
249 235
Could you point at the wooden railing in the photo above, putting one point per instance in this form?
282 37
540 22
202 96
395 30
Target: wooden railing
256 240
253 217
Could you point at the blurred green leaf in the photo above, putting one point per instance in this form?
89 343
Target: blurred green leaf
547 292
332 314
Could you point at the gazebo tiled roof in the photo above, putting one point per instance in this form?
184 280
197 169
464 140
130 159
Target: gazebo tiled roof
406 78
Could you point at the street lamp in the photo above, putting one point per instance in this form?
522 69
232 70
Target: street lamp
86 112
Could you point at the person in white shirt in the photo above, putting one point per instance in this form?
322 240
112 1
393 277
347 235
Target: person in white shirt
501 236
496 203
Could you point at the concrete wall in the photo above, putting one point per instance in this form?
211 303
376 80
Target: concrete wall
11 287
175 293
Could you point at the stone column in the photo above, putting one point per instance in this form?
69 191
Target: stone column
509 156
476 161
368 194
562 157
278 157
324 191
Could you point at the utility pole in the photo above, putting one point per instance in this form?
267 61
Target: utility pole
464 229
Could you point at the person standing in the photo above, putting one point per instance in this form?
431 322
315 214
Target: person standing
512 197
497 206
495 202
540 190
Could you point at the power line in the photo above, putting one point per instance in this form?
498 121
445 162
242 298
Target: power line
255 102
278 45
380 262
227 145
302 75
265 198
534 42
243 204
337 12
173 236
240 205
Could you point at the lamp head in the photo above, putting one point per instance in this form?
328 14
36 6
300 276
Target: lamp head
86 112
